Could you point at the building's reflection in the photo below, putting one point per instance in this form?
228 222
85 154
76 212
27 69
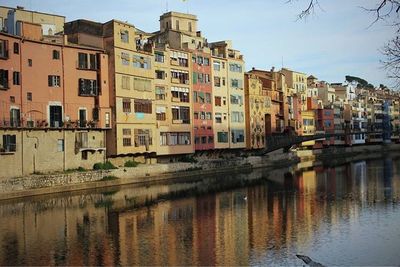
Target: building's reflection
236 227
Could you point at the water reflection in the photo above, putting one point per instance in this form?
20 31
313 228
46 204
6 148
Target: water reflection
345 215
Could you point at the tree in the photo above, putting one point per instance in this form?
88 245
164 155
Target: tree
384 10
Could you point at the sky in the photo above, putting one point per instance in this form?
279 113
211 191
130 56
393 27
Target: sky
336 40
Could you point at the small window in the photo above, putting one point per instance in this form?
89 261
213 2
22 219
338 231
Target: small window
30 63
16 78
177 25
54 81
9 143
56 54
125 36
60 145
84 155
12 99
29 96
16 48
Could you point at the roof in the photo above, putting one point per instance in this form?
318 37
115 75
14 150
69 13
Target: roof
14 8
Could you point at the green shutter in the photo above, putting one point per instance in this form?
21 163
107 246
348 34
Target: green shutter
194 74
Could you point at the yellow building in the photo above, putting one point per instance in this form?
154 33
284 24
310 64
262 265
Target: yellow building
297 84
174 133
220 101
258 105
235 84
9 18
308 118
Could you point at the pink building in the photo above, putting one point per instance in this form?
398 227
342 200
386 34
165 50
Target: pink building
202 101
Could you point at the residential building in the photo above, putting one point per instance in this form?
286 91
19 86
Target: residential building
274 85
258 108
324 120
358 122
221 100
235 69
55 115
309 127
10 19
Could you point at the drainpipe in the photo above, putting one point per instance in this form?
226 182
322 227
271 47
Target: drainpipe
63 104
21 98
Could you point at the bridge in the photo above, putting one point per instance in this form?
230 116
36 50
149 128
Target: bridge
275 142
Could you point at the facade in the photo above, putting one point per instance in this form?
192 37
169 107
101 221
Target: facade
235 69
274 85
358 122
221 100
10 19
309 127
258 108
58 110
325 124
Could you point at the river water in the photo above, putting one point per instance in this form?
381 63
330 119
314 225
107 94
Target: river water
343 215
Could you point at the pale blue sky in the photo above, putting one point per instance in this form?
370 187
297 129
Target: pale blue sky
334 42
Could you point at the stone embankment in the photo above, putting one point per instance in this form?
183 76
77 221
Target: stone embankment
150 173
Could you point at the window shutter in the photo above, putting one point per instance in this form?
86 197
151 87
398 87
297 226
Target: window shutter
50 80
194 77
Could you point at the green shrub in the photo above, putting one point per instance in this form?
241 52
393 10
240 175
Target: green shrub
104 166
131 163
109 178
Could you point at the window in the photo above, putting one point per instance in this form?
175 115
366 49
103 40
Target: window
222 137
126 105
54 81
190 26
88 87
218 118
15 117
126 137
195 100
180 93
235 67
217 81
160 113
9 143
206 61
217 65
159 57
201 97
16 48
107 119
141 62
181 114
237 116
125 58
82 60
16 78
12 99
179 76
126 82
124 36
160 74
223 81
236 83
160 93
29 96
177 25
237 136
140 84
208 98
174 138
143 106
217 100
56 54
60 145
84 155
143 137
3 48
236 100
93 61
196 115
4 79
202 115
30 62
208 116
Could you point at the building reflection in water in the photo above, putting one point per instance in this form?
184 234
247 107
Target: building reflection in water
260 224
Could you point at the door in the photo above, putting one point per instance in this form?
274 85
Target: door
55 116
268 126
15 117
82 118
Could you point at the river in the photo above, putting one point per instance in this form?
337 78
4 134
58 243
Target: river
342 215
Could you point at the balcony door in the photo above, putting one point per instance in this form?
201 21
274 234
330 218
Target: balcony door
55 116
82 118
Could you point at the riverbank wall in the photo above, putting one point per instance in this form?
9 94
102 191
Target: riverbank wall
63 182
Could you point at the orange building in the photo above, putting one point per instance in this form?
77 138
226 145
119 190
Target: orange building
57 91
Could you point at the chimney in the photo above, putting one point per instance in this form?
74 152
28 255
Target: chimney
20 7
272 69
